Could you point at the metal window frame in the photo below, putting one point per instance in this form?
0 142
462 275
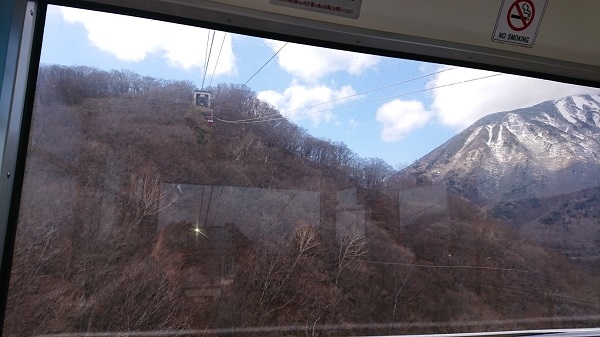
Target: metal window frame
24 47
16 99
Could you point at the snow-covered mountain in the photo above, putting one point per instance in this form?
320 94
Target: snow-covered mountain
547 149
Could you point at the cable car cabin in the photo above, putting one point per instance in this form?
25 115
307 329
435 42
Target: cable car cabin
202 98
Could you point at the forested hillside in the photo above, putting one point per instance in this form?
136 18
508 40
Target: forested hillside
138 215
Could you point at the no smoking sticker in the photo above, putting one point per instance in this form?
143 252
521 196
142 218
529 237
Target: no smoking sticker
518 21
520 15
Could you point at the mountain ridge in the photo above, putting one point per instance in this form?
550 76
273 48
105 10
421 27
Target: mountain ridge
511 149
535 169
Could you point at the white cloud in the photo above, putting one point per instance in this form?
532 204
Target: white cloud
307 101
307 96
461 105
399 117
353 123
310 64
133 39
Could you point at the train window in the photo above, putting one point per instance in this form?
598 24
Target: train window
301 191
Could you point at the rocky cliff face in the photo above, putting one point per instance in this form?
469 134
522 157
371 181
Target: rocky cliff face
547 149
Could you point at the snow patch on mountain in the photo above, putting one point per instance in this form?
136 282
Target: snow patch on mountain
506 150
563 108
583 108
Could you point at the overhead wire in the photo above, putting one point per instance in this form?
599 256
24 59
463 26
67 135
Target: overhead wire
205 66
354 95
218 204
200 210
443 266
251 77
208 207
208 59
537 293
271 118
218 58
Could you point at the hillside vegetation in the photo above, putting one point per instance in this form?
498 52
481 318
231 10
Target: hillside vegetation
324 242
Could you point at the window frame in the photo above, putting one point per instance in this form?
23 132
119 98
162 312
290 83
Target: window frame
23 58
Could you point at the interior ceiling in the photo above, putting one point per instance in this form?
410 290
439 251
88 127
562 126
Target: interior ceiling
566 46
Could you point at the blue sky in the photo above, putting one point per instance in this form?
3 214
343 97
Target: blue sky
399 124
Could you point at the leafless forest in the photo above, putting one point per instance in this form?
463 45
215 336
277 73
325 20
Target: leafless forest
137 215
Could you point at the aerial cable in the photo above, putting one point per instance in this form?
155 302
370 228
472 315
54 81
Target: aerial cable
354 95
208 59
218 57
205 65
212 41
411 92
279 117
396 96
200 209
535 292
208 207
251 77
218 204
207 54
197 226
376 89
443 266
274 118
284 207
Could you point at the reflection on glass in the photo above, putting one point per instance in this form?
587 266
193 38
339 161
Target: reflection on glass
140 214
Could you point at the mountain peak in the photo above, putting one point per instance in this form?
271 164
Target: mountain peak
581 108
505 150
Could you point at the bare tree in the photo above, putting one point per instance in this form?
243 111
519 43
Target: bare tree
247 147
145 198
352 246
305 237
276 265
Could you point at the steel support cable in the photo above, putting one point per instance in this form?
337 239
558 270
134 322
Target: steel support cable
279 117
251 77
200 208
208 59
284 207
217 63
443 266
205 65
218 204
537 292
354 95
208 207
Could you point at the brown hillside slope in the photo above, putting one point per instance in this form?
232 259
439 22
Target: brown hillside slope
137 215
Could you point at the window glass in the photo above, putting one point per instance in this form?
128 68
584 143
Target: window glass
185 180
